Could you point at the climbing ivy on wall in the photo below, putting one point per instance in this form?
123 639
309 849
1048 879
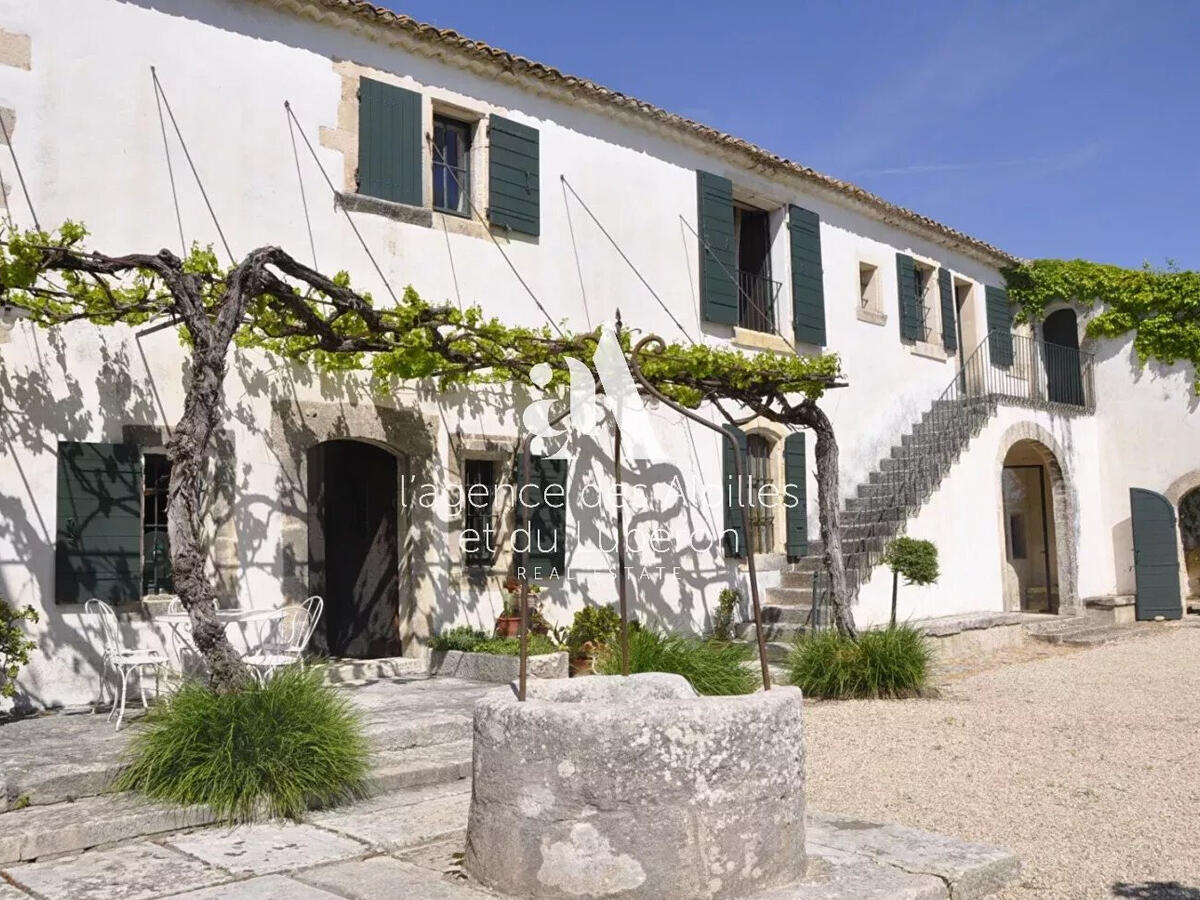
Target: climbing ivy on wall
1161 307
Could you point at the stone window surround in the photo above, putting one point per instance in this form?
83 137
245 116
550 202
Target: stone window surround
501 449
344 139
872 312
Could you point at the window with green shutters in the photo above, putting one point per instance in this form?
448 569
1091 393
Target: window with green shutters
98 532
513 173
999 322
389 142
718 258
733 494
909 298
795 467
808 289
547 517
946 292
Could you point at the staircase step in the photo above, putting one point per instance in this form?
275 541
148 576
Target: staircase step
785 615
790 596
772 633
801 579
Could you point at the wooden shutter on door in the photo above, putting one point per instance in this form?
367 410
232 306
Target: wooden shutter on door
514 170
999 321
910 303
795 467
808 286
389 142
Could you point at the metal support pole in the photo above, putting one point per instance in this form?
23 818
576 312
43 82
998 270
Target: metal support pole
524 672
622 587
650 389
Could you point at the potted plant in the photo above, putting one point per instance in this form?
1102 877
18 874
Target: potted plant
508 624
592 629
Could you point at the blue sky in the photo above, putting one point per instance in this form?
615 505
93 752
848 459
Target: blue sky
1049 129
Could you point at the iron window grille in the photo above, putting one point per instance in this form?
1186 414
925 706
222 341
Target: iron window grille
762 519
479 501
156 548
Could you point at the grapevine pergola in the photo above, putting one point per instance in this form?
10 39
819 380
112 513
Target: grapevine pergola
270 301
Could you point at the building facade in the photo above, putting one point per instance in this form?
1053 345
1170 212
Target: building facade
476 177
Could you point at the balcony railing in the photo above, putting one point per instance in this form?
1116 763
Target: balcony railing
756 301
1028 371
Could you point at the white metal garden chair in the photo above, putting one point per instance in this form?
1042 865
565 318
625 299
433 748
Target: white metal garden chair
295 630
123 660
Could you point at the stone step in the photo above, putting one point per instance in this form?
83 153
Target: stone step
790 596
777 651
436 764
772 633
67 827
387 734
785 615
802 579
355 671
805 565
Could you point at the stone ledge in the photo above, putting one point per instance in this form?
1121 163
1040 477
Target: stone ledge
401 212
495 667
944 626
1112 601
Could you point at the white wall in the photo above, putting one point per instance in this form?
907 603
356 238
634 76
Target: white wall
88 135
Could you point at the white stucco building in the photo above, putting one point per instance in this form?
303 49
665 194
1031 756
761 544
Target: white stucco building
576 202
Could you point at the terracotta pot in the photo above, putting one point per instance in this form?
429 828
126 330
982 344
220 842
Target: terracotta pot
508 626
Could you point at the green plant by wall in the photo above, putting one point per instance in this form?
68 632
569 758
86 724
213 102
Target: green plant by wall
593 627
277 749
727 602
1160 306
914 559
887 663
711 667
461 637
15 646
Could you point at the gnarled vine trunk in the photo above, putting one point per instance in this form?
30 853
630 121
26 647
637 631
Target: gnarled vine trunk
829 512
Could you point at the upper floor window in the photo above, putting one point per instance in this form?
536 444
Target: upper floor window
926 301
156 550
870 297
451 166
756 290
479 520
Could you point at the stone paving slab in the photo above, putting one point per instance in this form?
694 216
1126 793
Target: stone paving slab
387 878
265 887
133 872
835 875
401 826
266 848
970 870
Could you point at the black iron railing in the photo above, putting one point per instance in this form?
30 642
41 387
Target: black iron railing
756 301
1005 368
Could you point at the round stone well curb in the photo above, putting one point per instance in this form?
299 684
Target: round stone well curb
636 787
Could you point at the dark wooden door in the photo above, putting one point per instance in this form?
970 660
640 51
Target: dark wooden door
1155 555
1064 381
353 554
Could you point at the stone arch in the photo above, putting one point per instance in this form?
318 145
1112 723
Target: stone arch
1064 501
1184 494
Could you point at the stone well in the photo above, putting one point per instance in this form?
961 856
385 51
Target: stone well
636 788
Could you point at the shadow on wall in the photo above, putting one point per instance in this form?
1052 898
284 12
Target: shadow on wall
1155 890
1181 371
1122 539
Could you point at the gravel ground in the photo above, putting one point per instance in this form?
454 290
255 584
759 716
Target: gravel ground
1080 761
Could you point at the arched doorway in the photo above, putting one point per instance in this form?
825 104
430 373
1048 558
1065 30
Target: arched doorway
1060 352
352 548
1030 532
1189 531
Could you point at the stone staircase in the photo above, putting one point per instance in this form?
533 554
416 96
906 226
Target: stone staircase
876 512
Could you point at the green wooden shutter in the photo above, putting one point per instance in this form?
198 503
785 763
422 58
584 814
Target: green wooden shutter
910 303
718 284
733 526
808 288
946 289
795 467
547 521
389 142
513 174
999 322
98 538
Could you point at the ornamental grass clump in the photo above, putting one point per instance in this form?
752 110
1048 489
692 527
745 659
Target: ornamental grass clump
275 750
891 662
711 667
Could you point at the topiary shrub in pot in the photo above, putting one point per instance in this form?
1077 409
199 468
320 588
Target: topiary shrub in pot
592 629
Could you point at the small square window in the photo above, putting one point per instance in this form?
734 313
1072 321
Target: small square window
868 288
479 513
451 166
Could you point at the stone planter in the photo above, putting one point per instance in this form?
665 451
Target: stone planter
496 667
636 787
